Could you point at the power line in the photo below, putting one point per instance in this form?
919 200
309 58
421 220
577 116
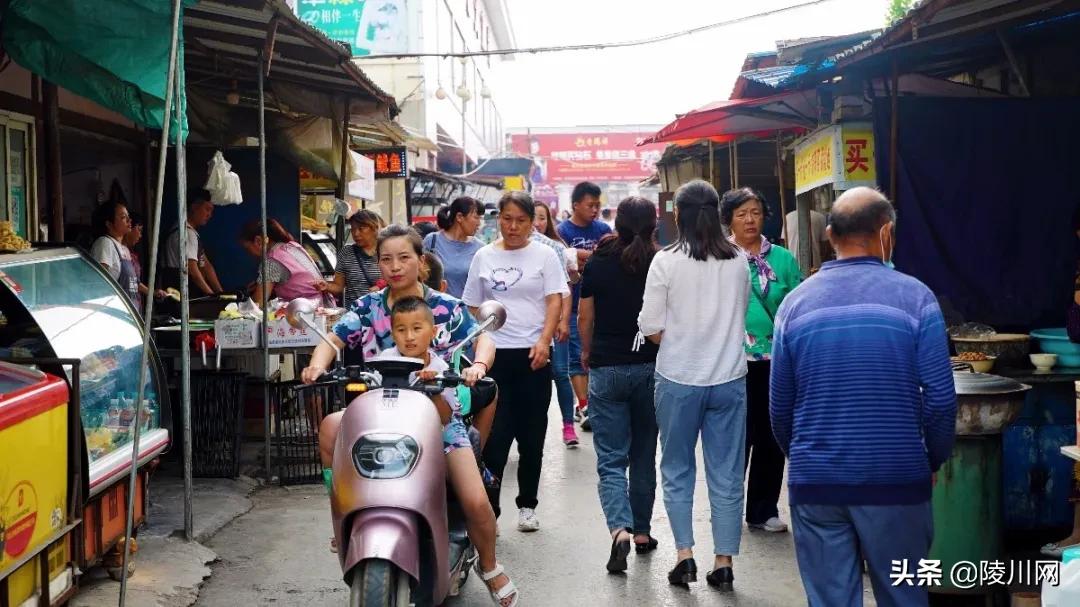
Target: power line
603 45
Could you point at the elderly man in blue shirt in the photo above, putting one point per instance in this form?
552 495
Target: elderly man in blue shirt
863 404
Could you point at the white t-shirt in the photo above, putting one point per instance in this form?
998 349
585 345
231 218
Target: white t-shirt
817 235
437 365
701 308
109 252
172 246
520 280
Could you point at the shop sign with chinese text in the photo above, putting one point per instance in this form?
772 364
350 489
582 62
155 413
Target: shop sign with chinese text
370 27
839 154
591 156
390 163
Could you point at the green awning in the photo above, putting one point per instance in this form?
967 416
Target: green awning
113 52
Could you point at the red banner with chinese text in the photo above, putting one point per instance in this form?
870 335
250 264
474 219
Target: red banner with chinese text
574 157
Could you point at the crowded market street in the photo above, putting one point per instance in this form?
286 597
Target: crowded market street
277 553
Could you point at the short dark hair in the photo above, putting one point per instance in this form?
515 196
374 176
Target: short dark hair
864 219
733 199
521 200
136 218
424 228
462 205
274 231
409 304
435 271
198 196
583 189
700 235
103 214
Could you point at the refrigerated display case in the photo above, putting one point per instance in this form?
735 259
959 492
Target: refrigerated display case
59 303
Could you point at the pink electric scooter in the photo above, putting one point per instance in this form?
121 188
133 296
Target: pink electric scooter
399 541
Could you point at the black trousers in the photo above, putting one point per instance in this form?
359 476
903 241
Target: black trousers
524 397
764 458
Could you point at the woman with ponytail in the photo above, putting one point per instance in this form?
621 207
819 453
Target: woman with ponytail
694 308
621 369
455 243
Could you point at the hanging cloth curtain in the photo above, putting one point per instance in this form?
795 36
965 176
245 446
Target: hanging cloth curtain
113 52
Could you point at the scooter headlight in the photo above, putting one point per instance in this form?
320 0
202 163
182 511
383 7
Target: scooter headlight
385 456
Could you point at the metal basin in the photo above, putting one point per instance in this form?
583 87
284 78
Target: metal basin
986 404
983 415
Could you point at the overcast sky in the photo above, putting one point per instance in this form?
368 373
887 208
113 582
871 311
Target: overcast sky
647 84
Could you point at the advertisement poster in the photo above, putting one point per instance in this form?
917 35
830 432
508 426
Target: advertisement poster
370 27
574 157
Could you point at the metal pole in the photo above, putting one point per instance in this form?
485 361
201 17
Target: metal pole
154 234
262 271
735 164
464 155
53 170
343 179
783 195
185 320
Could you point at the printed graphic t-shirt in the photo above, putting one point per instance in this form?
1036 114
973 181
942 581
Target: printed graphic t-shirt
367 323
520 280
585 238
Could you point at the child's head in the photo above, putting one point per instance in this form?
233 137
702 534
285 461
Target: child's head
435 272
413 326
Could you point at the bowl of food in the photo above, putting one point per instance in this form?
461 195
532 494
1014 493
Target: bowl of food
1056 341
1044 362
979 362
1006 348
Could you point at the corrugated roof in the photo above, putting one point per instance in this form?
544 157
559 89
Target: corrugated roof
770 76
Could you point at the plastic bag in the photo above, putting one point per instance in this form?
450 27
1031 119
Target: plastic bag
972 330
222 183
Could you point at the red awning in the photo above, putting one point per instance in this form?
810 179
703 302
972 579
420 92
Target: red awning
722 120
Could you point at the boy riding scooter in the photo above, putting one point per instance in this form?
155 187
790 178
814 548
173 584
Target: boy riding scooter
413 328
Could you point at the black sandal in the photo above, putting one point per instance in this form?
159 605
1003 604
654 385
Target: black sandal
647 547
619 551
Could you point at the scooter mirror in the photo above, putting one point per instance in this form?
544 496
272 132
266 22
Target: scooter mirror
494 311
295 309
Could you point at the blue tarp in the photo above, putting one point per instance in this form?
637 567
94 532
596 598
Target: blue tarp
987 203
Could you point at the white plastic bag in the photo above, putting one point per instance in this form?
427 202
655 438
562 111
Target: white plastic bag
222 183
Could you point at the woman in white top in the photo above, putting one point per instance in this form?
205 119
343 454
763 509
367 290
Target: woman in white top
694 307
527 277
112 223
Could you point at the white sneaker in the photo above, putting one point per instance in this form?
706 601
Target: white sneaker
527 521
773 525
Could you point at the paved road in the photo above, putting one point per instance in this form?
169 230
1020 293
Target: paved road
277 553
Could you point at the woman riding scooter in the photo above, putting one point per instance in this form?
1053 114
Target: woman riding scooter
368 326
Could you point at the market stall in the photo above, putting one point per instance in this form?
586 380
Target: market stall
59 303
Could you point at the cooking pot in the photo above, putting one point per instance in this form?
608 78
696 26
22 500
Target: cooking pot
986 404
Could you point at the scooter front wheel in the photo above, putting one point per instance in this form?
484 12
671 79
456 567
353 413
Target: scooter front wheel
379 583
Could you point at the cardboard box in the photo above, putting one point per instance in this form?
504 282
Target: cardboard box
237 333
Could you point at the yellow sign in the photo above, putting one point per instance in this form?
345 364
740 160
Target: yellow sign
815 160
858 152
33 487
842 155
513 184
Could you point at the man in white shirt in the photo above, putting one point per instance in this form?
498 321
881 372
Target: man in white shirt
201 272
820 250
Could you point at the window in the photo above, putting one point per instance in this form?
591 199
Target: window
18 203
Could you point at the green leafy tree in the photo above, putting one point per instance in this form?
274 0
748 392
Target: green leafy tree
898 9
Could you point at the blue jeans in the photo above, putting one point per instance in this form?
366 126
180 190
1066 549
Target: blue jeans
718 413
573 363
624 428
831 541
560 361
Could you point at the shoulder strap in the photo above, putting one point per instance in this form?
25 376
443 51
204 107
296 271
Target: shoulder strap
360 262
761 300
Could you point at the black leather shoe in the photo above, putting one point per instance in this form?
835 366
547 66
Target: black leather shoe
619 551
683 574
722 579
646 547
